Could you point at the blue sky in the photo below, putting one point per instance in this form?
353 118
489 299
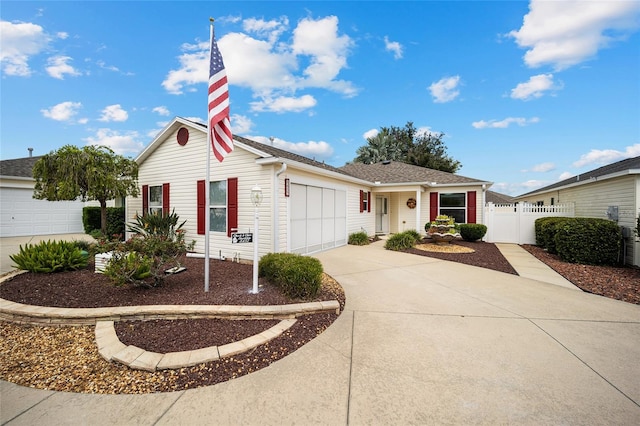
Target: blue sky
526 93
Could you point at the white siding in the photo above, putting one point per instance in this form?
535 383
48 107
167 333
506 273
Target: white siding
183 166
593 199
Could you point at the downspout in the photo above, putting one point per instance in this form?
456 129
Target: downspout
418 209
276 209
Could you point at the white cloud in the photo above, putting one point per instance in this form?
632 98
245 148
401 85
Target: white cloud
19 41
161 110
120 143
542 168
271 30
445 89
534 88
393 46
240 124
114 113
58 67
284 104
62 35
64 111
566 33
370 134
316 150
271 68
565 175
607 156
503 124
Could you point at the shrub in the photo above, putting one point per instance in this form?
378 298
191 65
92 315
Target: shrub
50 256
128 268
297 276
115 221
472 231
545 231
589 241
415 234
159 240
401 241
359 239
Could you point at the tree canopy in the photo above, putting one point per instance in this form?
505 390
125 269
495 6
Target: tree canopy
92 173
408 145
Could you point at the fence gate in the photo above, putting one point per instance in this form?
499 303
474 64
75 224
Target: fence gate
515 223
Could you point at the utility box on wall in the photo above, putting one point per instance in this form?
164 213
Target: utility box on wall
612 213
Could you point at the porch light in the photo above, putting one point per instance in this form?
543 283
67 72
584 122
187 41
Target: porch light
256 196
256 200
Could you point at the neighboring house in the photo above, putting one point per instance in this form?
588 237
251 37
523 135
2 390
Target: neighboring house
497 198
609 192
307 205
23 215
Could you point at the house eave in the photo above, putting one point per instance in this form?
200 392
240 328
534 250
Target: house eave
541 191
313 169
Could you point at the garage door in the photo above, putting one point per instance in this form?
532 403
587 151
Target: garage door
21 215
318 218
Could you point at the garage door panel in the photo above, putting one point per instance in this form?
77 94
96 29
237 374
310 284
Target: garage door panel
22 215
321 223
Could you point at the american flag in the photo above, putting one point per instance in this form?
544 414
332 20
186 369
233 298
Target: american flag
219 126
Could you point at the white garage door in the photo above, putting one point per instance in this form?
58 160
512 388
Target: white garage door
318 218
21 215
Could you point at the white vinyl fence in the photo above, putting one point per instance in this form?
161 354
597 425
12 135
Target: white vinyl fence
515 223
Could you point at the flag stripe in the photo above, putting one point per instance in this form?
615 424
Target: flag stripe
218 103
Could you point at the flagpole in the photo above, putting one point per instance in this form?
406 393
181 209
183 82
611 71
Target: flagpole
207 215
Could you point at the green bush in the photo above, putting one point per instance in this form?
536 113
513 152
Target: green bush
50 256
415 234
401 241
128 268
115 221
297 276
589 241
472 231
359 239
160 240
545 231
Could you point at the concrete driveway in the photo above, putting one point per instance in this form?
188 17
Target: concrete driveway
421 341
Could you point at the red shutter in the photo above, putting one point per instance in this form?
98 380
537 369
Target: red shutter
145 199
433 206
201 208
232 206
165 199
361 201
369 202
471 207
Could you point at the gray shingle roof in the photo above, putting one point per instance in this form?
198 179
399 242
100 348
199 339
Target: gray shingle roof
617 167
497 198
397 172
18 167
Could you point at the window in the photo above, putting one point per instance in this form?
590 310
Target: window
454 205
365 201
155 199
223 206
218 206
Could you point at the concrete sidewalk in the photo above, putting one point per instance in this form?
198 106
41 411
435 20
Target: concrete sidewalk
421 341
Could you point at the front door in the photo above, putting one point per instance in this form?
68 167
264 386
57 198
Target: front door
382 215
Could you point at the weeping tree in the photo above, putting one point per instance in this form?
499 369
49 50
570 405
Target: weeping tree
408 145
92 173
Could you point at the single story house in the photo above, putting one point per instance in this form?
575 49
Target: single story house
307 206
608 192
